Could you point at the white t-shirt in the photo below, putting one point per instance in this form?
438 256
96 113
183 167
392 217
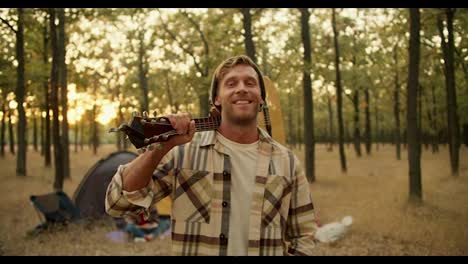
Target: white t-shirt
243 169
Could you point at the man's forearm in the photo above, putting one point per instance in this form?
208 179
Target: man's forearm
138 172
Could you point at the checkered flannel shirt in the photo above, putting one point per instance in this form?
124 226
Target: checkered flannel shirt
197 176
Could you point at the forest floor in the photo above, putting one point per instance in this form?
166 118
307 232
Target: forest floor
374 192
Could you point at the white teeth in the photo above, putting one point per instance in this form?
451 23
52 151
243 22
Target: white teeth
242 102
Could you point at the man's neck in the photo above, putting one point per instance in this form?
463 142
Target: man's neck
240 134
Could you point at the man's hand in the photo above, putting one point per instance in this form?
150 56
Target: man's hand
139 171
184 126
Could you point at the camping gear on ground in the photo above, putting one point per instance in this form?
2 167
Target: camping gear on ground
90 194
54 208
88 199
332 232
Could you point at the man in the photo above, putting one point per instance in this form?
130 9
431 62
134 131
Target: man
235 191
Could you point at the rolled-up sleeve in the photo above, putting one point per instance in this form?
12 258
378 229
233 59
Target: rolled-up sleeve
301 224
121 203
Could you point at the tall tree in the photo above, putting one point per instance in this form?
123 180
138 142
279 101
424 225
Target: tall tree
63 91
449 70
308 98
200 61
54 79
11 135
20 93
2 132
248 40
414 158
357 133
339 101
396 105
367 131
143 71
34 118
435 138
331 129
45 84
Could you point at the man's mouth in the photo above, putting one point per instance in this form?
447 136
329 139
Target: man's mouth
242 102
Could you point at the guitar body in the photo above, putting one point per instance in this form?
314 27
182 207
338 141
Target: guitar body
276 115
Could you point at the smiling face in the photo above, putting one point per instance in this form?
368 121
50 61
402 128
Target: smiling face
239 95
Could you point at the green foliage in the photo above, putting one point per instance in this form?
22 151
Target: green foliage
182 47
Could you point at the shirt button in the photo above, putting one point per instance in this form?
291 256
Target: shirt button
225 173
222 237
224 204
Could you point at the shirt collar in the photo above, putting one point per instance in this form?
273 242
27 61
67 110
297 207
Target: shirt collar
210 137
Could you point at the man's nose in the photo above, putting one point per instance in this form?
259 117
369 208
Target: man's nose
241 88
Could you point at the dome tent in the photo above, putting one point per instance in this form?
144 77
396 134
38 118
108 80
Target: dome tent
90 194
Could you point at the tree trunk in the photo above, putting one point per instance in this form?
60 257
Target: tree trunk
2 135
331 129
367 132
76 136
118 141
20 92
435 138
309 136
34 131
11 135
419 111
95 131
449 70
357 132
414 162
54 78
299 120
290 121
339 94
203 99
265 69
142 74
63 93
42 132
169 93
248 41
82 125
45 84
347 135
377 128
396 106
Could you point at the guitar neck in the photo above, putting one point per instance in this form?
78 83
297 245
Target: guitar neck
206 123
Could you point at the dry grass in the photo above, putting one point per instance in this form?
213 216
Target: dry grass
374 192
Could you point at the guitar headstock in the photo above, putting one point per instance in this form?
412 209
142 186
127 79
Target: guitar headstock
143 130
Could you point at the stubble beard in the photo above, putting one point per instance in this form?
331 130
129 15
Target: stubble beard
244 119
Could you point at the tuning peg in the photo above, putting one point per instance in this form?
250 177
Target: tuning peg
141 150
145 114
155 113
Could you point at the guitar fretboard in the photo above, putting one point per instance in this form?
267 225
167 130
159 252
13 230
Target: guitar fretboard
206 123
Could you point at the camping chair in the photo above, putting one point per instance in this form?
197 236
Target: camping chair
54 208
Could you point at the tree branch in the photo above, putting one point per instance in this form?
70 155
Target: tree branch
203 38
174 37
8 24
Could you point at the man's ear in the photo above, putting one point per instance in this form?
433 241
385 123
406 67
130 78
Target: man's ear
217 102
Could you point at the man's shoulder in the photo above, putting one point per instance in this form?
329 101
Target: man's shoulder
278 147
